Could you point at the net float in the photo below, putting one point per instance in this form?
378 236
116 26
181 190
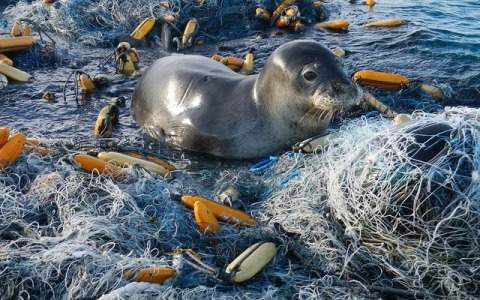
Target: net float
251 261
387 81
14 73
123 159
151 274
90 164
333 25
12 149
143 29
205 219
220 211
4 135
386 23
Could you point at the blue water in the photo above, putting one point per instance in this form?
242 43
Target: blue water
439 45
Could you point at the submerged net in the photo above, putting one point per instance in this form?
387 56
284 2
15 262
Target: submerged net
357 218
105 22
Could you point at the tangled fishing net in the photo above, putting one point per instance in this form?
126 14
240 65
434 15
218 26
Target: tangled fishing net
366 211
104 22
358 218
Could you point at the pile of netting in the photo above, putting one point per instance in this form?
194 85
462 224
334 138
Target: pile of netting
365 210
65 233
105 22
358 219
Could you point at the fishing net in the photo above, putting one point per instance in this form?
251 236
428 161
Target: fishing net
358 218
366 210
105 22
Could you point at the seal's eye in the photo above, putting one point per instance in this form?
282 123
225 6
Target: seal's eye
310 76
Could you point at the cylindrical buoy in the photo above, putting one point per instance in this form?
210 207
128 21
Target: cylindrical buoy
386 23
251 261
387 81
91 164
123 159
333 25
86 83
247 66
4 136
433 91
153 159
220 211
5 60
205 219
14 73
143 29
151 274
107 117
191 29
12 150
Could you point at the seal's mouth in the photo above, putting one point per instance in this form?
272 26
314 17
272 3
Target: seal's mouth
337 96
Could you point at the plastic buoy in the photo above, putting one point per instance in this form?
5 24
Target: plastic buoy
333 25
280 8
205 218
16 29
125 65
122 48
262 14
14 44
124 159
12 150
151 274
153 159
90 164
189 33
371 3
86 83
220 211
4 135
144 28
247 66
251 261
5 60
433 91
14 73
386 23
107 117
387 81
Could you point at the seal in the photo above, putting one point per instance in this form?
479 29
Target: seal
195 103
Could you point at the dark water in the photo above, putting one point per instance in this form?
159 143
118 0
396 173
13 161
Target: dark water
439 45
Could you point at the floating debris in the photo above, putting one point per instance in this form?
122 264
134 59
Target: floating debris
386 23
387 81
333 25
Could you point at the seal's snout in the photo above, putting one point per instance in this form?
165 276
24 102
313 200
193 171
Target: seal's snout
337 95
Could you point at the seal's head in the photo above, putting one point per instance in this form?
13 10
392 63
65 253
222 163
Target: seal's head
306 76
